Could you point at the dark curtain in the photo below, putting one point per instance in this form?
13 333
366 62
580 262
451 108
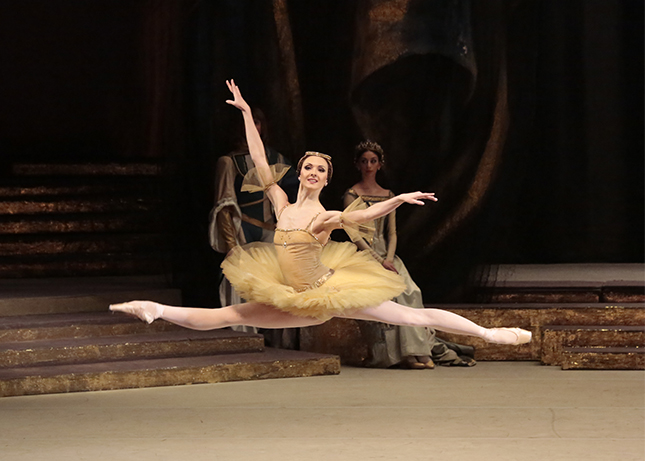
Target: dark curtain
571 187
70 80
526 118
430 84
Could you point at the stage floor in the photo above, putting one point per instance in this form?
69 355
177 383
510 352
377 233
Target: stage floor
501 411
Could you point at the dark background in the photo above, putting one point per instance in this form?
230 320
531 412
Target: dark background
83 79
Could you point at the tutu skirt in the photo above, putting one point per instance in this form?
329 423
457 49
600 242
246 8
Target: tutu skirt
358 281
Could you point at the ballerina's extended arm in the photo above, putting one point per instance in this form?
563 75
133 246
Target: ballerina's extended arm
381 209
331 220
256 148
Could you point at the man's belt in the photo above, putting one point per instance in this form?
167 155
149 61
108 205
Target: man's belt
257 223
244 205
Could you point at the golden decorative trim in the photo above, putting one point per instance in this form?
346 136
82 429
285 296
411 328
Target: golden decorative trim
271 184
318 282
255 202
317 154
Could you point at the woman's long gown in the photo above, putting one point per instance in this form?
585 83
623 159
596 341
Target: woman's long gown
391 342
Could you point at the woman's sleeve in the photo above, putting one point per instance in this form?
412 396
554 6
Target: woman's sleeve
349 196
357 231
391 236
253 182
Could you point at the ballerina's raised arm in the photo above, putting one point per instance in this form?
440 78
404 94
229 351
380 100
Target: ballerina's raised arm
276 195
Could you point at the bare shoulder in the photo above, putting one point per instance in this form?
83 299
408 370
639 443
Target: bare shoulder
322 217
355 190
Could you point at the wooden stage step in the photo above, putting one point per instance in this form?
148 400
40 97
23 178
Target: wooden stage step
81 243
80 223
40 206
270 364
124 347
75 187
70 295
75 325
98 351
88 264
74 219
87 169
564 283
555 338
535 317
603 358
618 291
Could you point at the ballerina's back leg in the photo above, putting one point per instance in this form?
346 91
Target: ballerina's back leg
397 314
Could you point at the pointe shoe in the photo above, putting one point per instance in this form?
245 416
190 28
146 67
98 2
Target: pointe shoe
144 310
521 336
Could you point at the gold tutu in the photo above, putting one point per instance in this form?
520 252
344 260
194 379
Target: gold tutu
358 281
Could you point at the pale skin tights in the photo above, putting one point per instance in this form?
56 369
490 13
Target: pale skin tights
266 316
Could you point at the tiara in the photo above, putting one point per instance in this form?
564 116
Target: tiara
370 145
318 154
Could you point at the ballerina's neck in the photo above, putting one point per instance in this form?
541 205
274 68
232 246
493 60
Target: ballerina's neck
306 194
299 216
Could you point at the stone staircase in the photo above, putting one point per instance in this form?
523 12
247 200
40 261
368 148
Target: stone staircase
54 353
60 220
569 345
583 316
75 238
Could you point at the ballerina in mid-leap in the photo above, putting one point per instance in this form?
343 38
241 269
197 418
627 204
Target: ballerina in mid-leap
303 279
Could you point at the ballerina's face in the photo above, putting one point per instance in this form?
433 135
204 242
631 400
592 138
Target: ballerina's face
313 173
368 163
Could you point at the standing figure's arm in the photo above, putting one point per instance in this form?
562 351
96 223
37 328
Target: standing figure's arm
388 263
224 222
256 148
391 234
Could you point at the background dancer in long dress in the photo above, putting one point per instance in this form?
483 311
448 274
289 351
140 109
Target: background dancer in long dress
407 347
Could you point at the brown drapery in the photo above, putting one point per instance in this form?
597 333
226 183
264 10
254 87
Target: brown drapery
162 68
430 85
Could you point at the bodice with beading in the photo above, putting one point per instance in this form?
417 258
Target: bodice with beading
299 252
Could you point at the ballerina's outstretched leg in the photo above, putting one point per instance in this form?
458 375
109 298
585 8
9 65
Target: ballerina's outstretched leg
265 316
249 314
396 314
